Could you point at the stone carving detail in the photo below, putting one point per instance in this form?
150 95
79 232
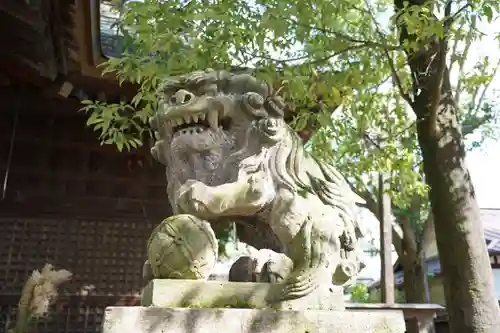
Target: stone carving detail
243 270
263 266
275 267
230 156
181 247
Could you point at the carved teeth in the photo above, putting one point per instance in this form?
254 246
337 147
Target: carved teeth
213 119
168 126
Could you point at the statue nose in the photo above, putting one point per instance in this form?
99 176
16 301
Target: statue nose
181 97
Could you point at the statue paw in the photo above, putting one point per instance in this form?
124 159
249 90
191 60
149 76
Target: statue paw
298 286
194 207
189 197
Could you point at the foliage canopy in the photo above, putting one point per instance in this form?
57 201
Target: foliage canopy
323 54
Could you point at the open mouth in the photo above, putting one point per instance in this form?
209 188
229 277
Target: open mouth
197 123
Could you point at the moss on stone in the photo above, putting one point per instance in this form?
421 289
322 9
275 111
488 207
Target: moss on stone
224 304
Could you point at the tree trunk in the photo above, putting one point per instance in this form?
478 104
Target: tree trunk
467 276
411 258
468 279
415 288
414 283
404 241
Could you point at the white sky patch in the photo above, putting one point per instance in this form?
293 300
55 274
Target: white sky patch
484 163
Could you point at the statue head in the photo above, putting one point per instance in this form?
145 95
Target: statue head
205 122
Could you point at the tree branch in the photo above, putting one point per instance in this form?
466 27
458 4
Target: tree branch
483 94
450 19
396 78
472 120
304 57
409 238
348 38
461 62
372 206
438 80
470 128
428 234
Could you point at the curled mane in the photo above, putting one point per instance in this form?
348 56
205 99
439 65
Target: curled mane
226 82
295 169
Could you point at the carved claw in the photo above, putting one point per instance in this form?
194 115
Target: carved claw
298 286
301 283
309 257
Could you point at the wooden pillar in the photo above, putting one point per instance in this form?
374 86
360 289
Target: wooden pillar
385 218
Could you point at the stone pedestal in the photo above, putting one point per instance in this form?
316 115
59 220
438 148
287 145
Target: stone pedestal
191 306
168 320
223 294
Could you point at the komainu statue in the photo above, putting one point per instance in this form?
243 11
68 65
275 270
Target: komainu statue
230 157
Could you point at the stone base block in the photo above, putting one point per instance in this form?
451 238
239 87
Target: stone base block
168 320
223 294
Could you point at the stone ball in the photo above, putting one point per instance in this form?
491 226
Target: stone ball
182 247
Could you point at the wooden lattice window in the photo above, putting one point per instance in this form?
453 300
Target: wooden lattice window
106 257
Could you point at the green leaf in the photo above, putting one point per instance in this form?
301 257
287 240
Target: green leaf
301 122
488 12
118 140
94 119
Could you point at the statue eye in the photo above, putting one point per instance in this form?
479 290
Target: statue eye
167 95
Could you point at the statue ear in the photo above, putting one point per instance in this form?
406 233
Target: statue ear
254 104
275 106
